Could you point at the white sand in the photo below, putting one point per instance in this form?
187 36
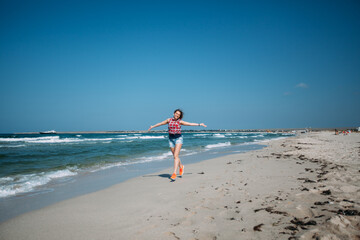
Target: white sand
273 193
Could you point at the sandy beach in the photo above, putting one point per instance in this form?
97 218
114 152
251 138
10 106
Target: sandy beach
303 187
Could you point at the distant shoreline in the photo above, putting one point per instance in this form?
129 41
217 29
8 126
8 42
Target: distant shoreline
201 131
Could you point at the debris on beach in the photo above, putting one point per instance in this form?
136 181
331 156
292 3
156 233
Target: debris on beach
291 228
321 203
258 227
307 180
299 222
272 211
348 212
326 192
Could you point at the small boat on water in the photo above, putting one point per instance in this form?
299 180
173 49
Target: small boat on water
49 132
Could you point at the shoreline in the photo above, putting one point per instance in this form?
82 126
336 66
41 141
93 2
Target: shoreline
305 186
88 182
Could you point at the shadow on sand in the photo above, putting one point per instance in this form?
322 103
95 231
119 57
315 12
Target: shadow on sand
165 175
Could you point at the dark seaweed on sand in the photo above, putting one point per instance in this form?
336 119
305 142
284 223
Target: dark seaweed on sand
326 192
292 228
271 210
258 227
348 212
302 223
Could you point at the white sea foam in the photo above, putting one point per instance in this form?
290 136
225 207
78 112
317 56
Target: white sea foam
249 143
263 141
5 180
218 135
218 145
60 174
27 139
257 136
96 169
156 158
145 137
201 135
152 137
50 139
26 183
167 155
87 139
12 146
188 153
132 137
56 139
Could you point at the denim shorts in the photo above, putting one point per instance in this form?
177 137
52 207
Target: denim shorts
175 139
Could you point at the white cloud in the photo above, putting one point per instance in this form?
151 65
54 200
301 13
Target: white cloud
302 85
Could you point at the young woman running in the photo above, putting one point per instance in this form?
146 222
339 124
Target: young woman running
175 138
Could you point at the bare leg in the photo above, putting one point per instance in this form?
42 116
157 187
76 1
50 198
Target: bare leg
176 151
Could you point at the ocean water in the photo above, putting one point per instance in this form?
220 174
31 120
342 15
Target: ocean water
29 163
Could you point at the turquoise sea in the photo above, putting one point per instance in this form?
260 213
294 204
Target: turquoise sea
31 163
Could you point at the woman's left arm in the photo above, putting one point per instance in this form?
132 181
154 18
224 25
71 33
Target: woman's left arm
192 124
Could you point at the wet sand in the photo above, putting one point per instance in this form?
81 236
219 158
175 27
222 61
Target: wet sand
304 187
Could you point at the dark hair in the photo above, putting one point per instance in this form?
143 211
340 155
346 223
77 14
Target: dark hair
181 113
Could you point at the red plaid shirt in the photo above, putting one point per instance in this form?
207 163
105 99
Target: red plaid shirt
174 126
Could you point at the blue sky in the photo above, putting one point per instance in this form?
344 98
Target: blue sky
125 65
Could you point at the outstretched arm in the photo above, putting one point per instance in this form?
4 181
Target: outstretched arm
192 124
159 124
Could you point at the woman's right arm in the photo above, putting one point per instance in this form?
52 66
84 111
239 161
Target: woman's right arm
159 124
